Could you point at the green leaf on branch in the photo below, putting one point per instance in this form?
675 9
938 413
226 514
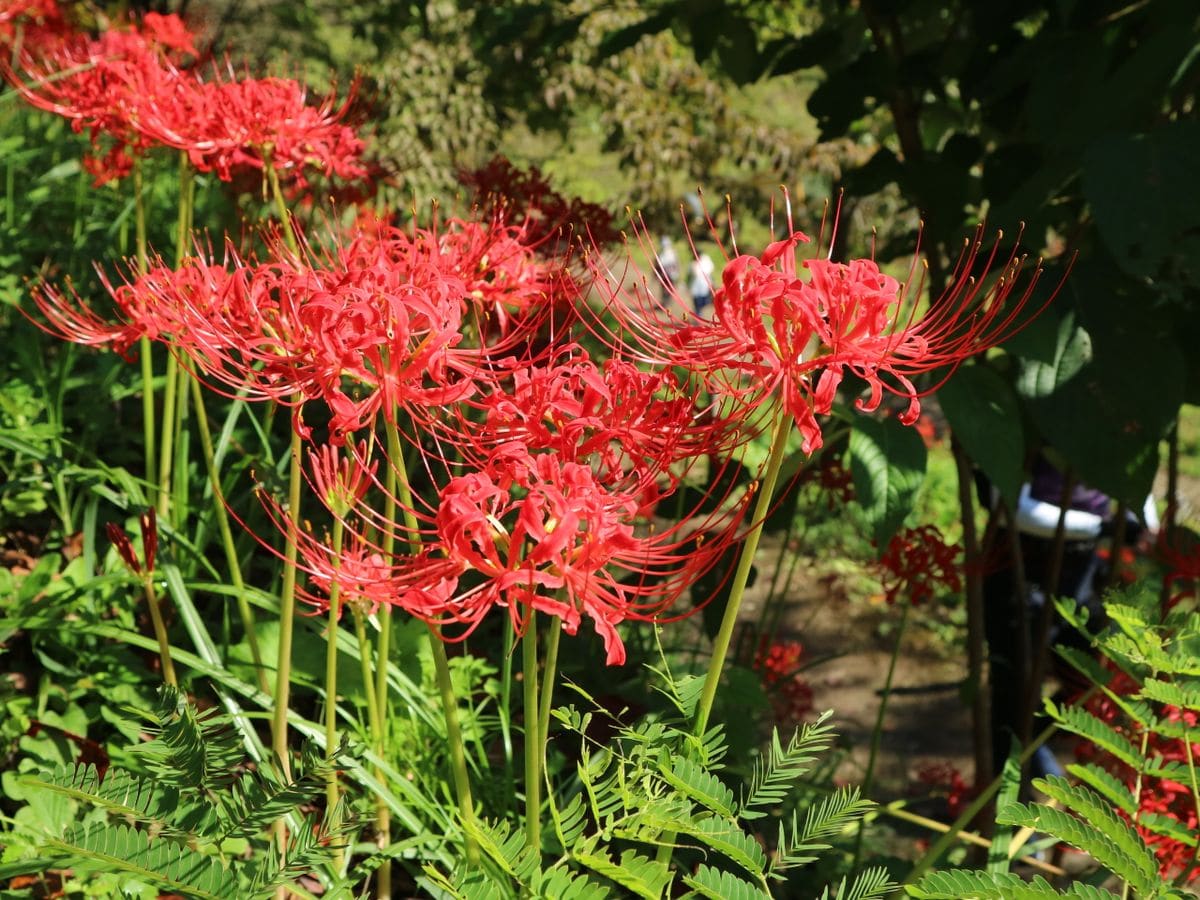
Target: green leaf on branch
888 463
984 415
1088 405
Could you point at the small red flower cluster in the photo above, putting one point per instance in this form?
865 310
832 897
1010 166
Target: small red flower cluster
1180 560
790 693
945 778
1159 795
919 564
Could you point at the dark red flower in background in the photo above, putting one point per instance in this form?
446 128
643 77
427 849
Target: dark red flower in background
919 564
790 693
525 198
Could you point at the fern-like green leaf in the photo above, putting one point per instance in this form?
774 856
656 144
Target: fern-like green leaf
1140 870
560 883
253 804
1165 825
191 750
775 776
641 876
717 885
119 848
1111 787
1081 722
870 883
1185 697
120 793
505 847
964 884
698 784
831 816
1093 809
570 821
729 840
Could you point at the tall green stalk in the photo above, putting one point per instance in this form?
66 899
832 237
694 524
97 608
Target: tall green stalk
533 741
364 659
383 649
441 663
458 758
231 556
546 701
287 594
332 791
287 612
160 629
174 405
766 488
166 449
145 356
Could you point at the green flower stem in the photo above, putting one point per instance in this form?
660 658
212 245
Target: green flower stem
506 691
145 356
166 448
231 557
364 658
285 217
766 488
383 649
160 630
877 732
533 743
547 695
187 198
287 613
174 406
332 792
458 759
180 488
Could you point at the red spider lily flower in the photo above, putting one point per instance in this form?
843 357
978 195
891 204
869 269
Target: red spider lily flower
920 564
341 479
532 532
779 660
629 426
363 577
375 325
945 777
777 335
111 85
791 694
505 280
239 123
32 26
525 198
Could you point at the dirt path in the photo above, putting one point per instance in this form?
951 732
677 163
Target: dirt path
848 643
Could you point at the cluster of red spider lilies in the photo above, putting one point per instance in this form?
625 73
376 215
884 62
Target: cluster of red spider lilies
547 400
